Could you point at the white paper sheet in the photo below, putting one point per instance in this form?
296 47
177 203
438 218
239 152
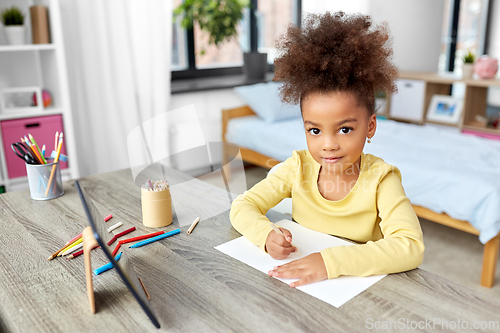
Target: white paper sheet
335 291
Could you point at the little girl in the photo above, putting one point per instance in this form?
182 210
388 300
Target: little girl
333 67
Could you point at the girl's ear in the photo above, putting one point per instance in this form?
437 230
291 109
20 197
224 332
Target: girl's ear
372 125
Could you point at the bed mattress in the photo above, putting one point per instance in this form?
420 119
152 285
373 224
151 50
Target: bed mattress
442 170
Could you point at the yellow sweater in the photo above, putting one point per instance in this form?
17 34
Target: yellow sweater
376 213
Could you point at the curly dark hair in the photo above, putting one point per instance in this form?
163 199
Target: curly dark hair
335 52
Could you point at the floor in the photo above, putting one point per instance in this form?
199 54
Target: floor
450 253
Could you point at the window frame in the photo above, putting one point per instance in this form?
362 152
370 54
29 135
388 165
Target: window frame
193 72
453 32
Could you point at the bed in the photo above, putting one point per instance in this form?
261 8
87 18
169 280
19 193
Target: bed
436 185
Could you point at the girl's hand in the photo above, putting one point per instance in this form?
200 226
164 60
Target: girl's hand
280 247
308 270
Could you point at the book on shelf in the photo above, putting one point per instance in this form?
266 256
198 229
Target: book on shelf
39 25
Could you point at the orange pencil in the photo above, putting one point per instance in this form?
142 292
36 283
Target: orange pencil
35 154
54 166
68 243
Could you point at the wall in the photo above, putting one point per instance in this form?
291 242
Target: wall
416 27
321 6
208 105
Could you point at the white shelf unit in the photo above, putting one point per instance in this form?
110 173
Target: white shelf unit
40 65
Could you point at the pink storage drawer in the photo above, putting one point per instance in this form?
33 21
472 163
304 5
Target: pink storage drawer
43 130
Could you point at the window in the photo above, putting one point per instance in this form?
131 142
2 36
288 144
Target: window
465 27
179 47
273 17
229 54
192 56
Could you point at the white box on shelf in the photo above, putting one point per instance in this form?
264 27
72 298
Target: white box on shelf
408 102
20 99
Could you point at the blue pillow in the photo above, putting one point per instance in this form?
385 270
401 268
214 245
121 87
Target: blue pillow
264 100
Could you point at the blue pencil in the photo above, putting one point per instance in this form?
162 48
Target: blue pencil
154 239
108 266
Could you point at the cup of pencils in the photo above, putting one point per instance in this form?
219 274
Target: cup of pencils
44 173
156 204
42 185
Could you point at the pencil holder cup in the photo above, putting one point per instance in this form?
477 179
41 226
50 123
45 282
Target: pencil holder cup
156 208
45 181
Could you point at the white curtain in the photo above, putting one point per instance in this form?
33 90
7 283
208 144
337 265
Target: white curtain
118 54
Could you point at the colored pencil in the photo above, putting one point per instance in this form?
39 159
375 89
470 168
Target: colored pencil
133 239
35 154
65 246
108 266
78 253
54 166
55 142
144 287
107 218
117 247
115 237
74 239
37 148
113 227
75 243
72 249
157 238
190 230
43 152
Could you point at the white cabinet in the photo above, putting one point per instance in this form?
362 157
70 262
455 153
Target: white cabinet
37 65
408 103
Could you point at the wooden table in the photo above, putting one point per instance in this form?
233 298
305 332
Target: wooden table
193 287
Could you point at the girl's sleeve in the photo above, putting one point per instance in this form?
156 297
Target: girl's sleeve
400 249
248 209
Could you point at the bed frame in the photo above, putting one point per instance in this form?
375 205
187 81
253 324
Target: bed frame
490 252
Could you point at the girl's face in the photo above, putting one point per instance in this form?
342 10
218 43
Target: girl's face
336 130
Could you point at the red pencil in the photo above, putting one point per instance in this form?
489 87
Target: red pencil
115 237
116 248
77 253
133 239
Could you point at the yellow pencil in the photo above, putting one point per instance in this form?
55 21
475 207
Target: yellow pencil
64 247
54 166
78 241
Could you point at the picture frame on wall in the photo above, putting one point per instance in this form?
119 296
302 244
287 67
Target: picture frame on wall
21 99
445 109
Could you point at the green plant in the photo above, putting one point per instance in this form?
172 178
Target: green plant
218 18
469 58
12 16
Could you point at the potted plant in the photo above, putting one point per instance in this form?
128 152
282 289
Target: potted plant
468 65
13 20
219 18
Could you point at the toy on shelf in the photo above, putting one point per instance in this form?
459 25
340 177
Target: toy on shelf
46 97
486 67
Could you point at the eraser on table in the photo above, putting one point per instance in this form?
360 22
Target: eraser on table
107 218
113 227
62 157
